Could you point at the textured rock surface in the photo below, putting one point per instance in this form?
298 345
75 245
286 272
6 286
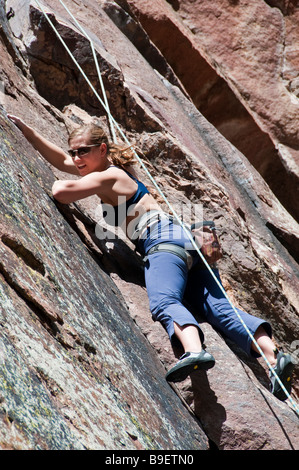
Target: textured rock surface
74 364
246 83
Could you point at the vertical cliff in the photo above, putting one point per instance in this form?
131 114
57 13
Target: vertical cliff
81 362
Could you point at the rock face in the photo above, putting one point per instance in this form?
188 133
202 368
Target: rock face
81 362
238 61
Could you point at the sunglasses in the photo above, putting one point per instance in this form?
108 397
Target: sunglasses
81 150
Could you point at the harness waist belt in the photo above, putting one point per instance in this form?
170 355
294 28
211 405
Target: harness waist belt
147 220
175 249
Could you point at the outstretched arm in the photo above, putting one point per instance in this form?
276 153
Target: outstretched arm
51 152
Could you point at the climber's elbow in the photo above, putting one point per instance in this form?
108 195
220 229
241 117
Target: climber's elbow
61 192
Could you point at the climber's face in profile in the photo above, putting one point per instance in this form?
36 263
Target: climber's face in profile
86 156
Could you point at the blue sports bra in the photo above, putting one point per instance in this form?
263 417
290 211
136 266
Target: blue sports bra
116 215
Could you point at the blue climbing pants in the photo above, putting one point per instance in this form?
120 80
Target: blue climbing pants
170 287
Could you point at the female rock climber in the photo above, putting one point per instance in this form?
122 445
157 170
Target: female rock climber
105 171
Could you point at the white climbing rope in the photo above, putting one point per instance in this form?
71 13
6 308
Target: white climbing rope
113 125
106 106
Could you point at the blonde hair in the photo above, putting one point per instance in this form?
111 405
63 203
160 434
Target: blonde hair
120 155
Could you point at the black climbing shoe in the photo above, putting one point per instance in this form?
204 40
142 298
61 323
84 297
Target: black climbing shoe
283 369
189 362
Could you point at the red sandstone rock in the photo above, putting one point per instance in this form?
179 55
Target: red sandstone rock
238 62
191 161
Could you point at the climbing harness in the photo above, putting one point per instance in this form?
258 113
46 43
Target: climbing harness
175 250
114 125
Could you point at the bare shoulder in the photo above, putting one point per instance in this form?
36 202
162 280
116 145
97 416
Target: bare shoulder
114 170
